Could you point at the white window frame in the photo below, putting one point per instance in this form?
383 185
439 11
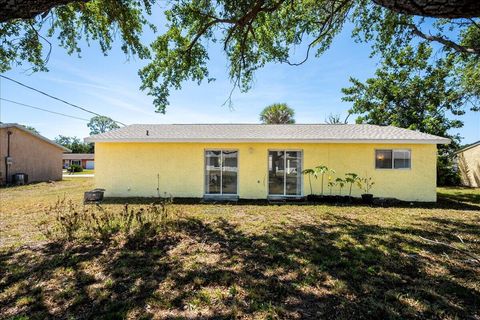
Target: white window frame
284 176
221 175
393 159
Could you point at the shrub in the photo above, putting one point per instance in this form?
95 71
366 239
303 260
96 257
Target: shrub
67 220
73 222
75 168
366 184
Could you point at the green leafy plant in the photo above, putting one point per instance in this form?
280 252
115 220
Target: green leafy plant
310 173
75 168
351 178
331 183
341 183
366 184
322 170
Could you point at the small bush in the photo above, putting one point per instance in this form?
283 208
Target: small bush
96 222
75 168
67 220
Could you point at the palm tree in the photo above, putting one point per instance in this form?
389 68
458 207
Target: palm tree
277 113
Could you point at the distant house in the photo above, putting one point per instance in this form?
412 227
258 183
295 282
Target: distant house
85 160
468 160
23 151
260 161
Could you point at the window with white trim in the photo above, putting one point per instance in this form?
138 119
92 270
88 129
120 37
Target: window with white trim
393 159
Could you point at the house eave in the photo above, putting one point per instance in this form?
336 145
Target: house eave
202 140
470 146
22 128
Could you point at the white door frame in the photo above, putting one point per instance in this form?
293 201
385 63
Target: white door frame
221 173
285 173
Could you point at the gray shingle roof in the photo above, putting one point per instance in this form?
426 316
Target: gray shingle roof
313 133
78 156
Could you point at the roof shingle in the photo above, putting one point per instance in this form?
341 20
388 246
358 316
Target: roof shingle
78 156
313 133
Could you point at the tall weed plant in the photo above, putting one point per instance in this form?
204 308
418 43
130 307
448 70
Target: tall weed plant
71 221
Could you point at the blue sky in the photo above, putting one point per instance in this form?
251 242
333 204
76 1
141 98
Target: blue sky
110 85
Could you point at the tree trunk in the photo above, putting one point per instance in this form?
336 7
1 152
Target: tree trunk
434 8
28 9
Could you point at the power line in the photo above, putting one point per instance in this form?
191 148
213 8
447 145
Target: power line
58 99
38 108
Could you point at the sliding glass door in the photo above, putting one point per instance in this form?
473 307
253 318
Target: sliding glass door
285 173
221 168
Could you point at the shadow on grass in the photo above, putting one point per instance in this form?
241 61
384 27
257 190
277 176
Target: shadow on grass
456 201
460 195
341 268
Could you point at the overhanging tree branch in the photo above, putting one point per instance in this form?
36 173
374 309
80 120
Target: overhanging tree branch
325 26
28 9
446 42
244 22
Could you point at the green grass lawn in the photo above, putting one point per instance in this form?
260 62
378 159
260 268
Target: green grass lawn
459 195
85 171
246 261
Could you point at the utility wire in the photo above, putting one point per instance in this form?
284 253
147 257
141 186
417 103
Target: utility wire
58 99
38 108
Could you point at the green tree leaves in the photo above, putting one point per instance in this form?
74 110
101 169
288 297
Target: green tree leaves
277 113
74 144
32 129
252 33
101 124
101 21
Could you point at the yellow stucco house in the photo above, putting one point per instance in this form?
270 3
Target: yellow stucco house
468 161
258 161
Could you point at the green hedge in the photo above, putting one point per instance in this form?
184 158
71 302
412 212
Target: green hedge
75 168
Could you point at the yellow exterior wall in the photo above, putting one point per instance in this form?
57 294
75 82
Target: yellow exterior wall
131 169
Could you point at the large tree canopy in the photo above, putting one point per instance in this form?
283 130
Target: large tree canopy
75 144
252 33
101 124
